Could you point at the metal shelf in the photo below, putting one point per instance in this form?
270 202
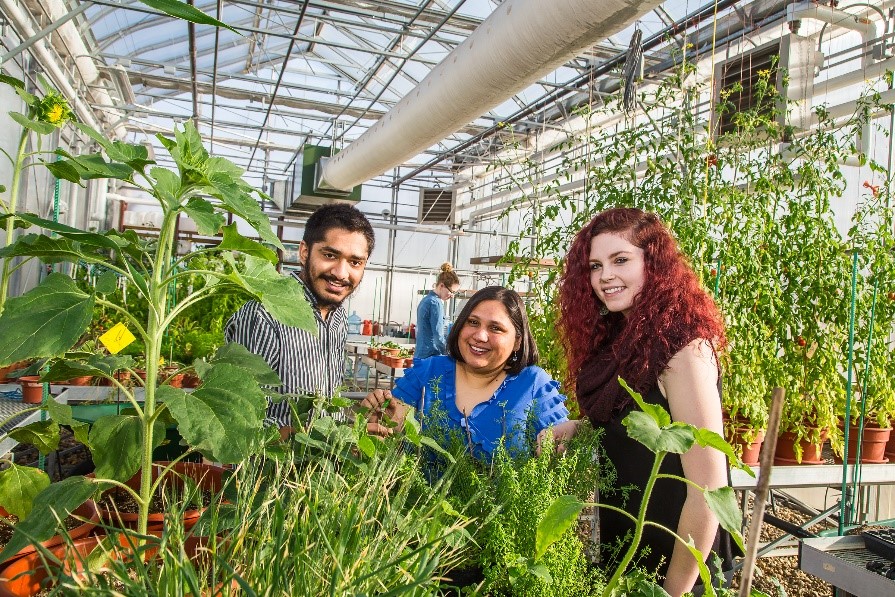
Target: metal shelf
821 475
842 562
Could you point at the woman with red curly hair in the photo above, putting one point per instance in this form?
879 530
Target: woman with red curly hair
631 307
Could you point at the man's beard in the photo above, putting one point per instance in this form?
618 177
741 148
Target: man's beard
324 300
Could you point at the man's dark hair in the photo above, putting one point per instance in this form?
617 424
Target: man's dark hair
337 215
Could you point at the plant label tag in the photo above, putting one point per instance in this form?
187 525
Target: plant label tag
117 338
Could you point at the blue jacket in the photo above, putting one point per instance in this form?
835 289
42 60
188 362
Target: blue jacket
522 406
430 337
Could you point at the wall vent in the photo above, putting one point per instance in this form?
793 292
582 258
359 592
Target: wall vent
738 79
436 206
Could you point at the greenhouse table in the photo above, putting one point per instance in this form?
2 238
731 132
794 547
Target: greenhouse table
11 406
393 373
792 477
842 562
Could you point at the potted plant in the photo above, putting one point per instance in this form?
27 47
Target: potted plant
223 418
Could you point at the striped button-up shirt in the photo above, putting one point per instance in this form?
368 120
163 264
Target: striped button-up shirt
307 364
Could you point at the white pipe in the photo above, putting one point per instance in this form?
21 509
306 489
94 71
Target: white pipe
49 62
73 44
521 41
869 32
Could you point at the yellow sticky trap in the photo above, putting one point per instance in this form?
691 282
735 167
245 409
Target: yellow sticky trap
117 338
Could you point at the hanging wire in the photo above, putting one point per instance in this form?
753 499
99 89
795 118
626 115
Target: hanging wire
633 70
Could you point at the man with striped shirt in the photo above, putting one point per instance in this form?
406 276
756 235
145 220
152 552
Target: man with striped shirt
337 242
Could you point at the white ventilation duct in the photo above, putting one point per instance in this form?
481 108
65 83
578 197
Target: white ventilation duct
520 42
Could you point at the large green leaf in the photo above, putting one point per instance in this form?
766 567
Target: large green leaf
708 438
19 485
117 442
282 296
135 156
676 438
723 502
51 505
558 519
234 241
12 81
48 249
64 170
43 435
61 413
189 154
208 221
167 187
77 364
223 418
238 355
656 412
41 128
45 321
93 239
94 165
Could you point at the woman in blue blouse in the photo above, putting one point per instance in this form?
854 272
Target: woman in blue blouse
488 384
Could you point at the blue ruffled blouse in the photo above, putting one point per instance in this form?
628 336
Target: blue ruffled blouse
522 406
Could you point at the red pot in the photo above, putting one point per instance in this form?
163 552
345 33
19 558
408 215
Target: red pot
750 451
785 453
890 445
32 389
87 511
208 476
30 574
873 447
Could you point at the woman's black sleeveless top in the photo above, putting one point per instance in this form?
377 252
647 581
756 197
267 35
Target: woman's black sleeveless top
633 462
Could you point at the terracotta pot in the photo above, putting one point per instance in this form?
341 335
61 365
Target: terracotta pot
87 511
31 574
785 453
373 353
83 380
191 380
123 376
750 451
175 381
890 445
873 448
5 371
209 477
392 352
32 389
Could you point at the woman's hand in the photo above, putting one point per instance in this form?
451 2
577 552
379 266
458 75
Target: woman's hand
562 433
382 405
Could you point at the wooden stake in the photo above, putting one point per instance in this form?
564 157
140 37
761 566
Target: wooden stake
766 463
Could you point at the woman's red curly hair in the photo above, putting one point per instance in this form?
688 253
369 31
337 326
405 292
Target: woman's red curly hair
670 311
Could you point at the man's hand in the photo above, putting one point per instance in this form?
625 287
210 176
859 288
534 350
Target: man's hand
382 405
285 432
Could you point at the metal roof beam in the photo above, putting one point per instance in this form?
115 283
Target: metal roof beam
207 31
222 75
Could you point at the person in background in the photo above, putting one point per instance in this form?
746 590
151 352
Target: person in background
430 320
488 388
337 242
632 307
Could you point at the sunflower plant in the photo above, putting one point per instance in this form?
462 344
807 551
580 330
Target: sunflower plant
223 418
42 117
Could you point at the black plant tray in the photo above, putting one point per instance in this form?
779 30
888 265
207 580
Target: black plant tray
881 542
